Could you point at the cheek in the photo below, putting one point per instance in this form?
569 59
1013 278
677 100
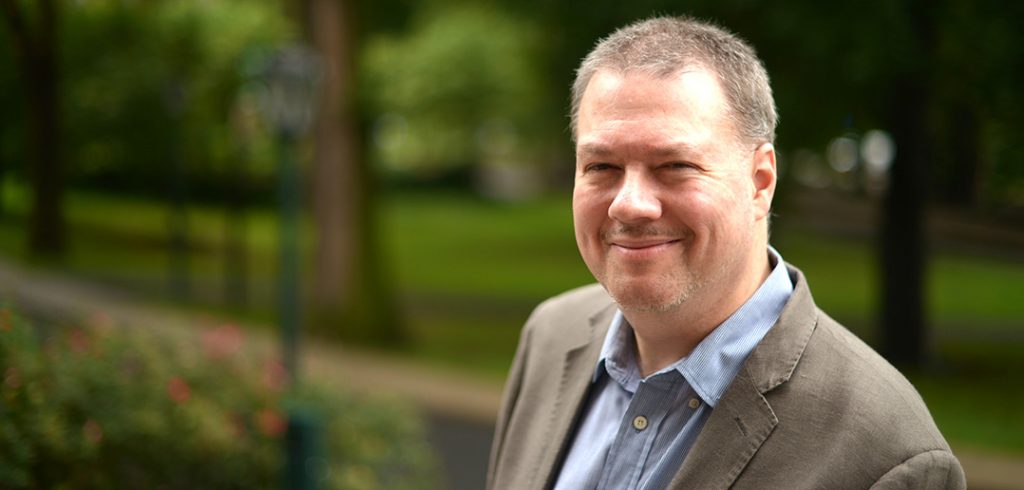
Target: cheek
588 216
708 208
588 211
698 203
731 193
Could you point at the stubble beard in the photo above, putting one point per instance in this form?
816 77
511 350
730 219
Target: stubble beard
669 289
661 294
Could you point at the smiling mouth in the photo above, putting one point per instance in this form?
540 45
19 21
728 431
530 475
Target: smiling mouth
645 245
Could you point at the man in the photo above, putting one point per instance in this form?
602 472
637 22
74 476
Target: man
700 361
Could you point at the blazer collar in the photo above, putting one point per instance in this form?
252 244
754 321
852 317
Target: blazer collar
742 421
582 348
737 427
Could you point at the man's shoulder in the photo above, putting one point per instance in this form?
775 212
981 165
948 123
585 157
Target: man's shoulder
847 409
843 417
843 384
849 364
833 367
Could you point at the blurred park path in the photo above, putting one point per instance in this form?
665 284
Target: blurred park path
460 408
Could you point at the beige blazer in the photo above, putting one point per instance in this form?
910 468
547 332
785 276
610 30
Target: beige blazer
812 407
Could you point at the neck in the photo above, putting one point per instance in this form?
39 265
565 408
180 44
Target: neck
662 338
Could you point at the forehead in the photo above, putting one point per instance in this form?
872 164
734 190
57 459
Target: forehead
685 107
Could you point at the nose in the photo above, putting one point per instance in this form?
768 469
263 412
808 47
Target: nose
636 200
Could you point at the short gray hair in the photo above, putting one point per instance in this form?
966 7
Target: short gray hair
664 46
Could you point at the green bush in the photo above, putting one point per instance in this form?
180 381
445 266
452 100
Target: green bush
102 407
433 119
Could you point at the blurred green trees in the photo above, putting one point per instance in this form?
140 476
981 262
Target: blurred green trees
147 82
461 87
142 82
476 94
447 83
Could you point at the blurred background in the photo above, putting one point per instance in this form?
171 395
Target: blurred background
352 206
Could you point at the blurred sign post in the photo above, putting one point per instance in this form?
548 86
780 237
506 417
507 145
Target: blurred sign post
178 265
292 76
243 116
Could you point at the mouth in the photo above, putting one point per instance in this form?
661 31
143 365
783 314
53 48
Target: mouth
642 248
641 244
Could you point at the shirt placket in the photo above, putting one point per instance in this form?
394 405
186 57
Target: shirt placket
638 429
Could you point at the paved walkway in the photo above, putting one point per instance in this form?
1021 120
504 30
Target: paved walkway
447 394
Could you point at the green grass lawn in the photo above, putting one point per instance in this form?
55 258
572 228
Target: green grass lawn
469 271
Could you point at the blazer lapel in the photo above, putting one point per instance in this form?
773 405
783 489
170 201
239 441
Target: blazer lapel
734 432
744 419
575 376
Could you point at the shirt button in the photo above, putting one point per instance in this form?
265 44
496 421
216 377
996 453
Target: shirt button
640 422
694 403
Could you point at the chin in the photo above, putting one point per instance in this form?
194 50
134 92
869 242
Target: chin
644 299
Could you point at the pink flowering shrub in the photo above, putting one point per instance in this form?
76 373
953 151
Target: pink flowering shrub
105 407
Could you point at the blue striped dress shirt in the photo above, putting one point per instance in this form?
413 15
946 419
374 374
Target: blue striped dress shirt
635 433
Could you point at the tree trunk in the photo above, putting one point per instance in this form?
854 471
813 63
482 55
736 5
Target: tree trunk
963 185
348 294
36 50
903 242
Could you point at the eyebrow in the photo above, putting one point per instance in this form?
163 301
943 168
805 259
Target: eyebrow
664 151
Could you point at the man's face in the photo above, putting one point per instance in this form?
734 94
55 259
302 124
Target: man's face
667 202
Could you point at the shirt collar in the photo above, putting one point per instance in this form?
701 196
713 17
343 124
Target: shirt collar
712 365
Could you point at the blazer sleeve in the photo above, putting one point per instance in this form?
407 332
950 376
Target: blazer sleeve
936 469
509 400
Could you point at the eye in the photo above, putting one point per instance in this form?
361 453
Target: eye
679 166
598 167
684 167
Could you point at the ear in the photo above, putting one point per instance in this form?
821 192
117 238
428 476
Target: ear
764 176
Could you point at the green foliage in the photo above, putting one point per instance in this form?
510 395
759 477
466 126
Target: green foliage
103 407
147 86
461 85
